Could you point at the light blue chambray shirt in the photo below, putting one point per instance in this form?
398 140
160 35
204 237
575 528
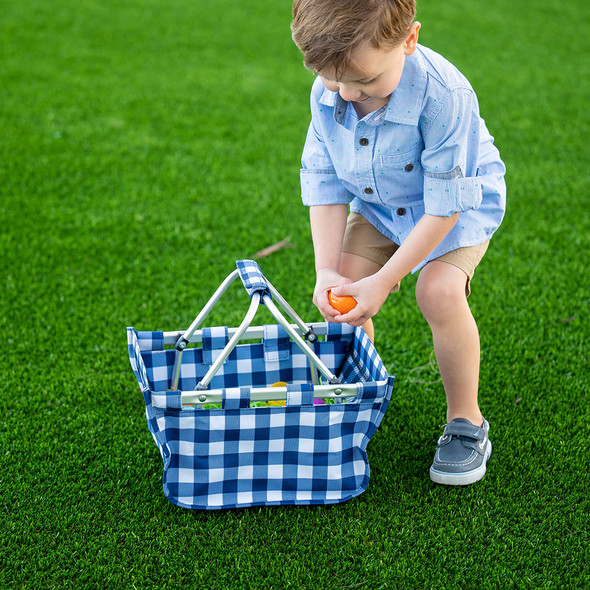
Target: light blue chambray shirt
427 150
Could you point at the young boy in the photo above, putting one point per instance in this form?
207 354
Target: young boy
396 136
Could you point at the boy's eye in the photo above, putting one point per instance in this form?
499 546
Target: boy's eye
367 82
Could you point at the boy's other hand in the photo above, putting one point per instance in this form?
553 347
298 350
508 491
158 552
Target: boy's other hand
370 294
327 280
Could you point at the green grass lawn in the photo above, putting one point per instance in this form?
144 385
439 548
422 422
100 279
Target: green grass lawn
147 145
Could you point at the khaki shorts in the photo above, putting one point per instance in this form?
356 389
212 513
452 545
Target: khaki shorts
361 238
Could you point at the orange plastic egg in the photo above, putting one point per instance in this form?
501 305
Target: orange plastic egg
343 304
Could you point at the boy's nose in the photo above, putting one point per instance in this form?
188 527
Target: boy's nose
348 93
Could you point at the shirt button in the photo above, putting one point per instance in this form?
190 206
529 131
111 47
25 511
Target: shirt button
409 167
401 211
369 190
364 141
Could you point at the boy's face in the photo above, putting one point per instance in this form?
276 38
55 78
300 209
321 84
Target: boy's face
375 73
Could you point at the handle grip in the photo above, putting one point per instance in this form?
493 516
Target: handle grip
252 277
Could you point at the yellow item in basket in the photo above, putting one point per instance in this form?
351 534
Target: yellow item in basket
278 402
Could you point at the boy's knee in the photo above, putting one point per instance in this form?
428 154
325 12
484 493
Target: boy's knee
437 296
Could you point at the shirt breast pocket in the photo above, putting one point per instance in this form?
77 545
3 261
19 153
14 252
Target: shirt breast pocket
400 173
397 159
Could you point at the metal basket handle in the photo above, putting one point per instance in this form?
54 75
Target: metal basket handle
260 291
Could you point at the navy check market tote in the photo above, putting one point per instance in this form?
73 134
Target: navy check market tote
282 419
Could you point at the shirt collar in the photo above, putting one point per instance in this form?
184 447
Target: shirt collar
405 104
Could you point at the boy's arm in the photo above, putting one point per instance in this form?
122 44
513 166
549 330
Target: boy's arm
371 292
328 223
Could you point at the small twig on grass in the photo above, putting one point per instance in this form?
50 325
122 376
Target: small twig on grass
356 585
274 248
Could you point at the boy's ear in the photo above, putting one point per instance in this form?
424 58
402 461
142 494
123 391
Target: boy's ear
412 38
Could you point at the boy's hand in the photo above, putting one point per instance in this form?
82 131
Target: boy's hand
370 293
327 280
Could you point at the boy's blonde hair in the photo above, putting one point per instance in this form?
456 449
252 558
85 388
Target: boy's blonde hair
328 31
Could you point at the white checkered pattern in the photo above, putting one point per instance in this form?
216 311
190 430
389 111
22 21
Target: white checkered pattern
239 456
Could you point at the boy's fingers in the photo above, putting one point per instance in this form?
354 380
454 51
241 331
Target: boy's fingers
326 309
342 290
353 317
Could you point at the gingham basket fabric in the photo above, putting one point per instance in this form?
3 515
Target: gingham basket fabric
240 456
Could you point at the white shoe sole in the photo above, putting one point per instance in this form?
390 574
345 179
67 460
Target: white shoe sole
462 479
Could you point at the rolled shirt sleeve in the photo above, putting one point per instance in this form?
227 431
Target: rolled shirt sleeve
320 184
449 160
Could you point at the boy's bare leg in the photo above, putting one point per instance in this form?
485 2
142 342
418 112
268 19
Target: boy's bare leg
355 267
440 293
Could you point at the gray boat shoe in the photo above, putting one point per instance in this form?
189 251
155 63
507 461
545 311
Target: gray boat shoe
462 453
